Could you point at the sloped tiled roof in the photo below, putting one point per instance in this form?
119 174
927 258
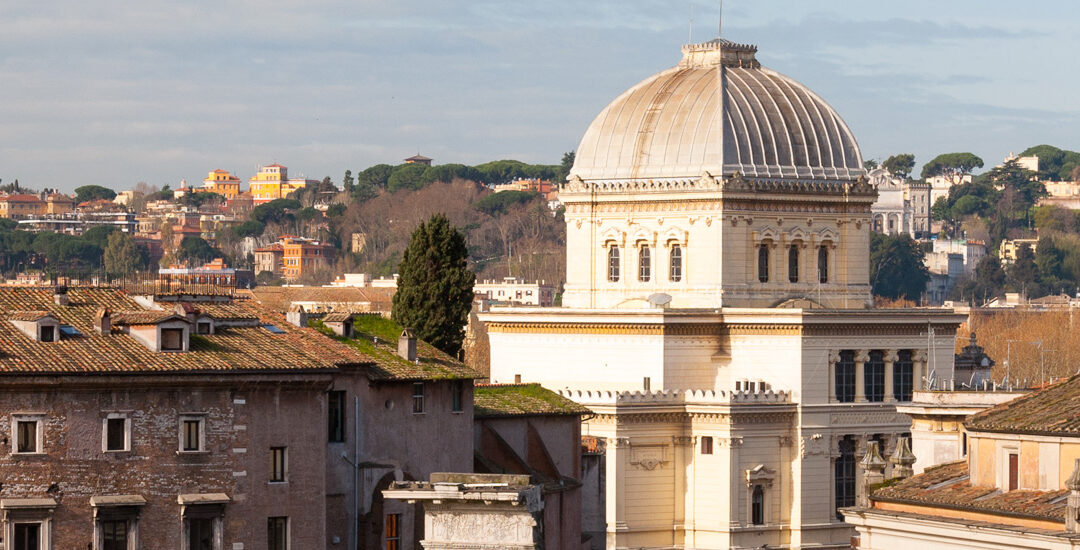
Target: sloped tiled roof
280 298
431 364
504 400
339 317
230 349
144 317
27 315
947 486
1053 411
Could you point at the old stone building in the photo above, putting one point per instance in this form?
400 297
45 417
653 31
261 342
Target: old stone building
145 422
717 316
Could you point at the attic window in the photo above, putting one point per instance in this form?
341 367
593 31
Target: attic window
48 333
202 327
172 339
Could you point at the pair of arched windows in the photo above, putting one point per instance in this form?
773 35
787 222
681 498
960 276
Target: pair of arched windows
675 264
793 263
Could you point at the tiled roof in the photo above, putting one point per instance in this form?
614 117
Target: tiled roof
339 317
27 315
431 364
501 400
230 349
1053 411
947 486
280 298
143 317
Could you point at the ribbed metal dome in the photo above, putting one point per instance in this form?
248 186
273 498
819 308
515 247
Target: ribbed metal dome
718 111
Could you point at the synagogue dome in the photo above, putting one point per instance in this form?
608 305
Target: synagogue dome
718 111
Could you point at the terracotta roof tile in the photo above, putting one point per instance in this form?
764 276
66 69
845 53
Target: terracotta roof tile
1054 411
230 349
27 315
947 486
339 317
353 299
145 317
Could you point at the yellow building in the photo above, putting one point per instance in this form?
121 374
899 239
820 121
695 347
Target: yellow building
223 183
1007 249
273 182
21 207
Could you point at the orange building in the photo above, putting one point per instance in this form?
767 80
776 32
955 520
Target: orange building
223 183
273 182
291 257
58 203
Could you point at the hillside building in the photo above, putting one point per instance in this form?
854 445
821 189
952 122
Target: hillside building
223 183
291 257
273 182
511 290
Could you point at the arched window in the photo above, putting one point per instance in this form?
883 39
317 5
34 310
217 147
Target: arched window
675 271
757 506
823 264
793 263
613 264
644 269
763 263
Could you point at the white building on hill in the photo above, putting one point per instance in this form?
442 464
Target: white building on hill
715 314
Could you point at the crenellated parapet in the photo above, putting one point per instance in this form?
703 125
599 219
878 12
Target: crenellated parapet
676 397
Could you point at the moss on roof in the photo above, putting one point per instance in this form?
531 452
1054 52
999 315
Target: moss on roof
500 400
1053 411
432 364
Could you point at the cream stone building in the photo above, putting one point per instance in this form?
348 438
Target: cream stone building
716 314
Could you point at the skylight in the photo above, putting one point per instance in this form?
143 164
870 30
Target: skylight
273 329
69 331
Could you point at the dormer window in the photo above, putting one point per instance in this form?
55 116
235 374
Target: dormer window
172 339
47 333
40 326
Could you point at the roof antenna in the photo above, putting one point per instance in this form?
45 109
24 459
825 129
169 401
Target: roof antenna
690 39
720 21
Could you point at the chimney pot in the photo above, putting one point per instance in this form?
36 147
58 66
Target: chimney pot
103 321
407 345
60 296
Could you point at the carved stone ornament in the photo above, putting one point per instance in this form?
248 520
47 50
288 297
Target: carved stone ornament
482 529
760 475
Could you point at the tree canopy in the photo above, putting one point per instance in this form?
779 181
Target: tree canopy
122 256
497 203
435 285
1055 164
900 165
952 165
896 267
93 192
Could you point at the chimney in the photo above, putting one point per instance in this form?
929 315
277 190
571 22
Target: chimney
60 295
873 473
902 459
297 316
1072 508
103 321
406 345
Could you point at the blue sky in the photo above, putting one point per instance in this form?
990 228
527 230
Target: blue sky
114 93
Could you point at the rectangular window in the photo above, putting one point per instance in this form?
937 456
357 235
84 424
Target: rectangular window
27 536
457 393
203 327
1014 473
191 434
845 377
706 445
392 532
278 464
200 533
418 398
116 434
114 534
26 436
48 333
335 416
874 377
844 475
172 339
277 533
903 375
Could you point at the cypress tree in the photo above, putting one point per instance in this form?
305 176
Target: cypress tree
435 286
